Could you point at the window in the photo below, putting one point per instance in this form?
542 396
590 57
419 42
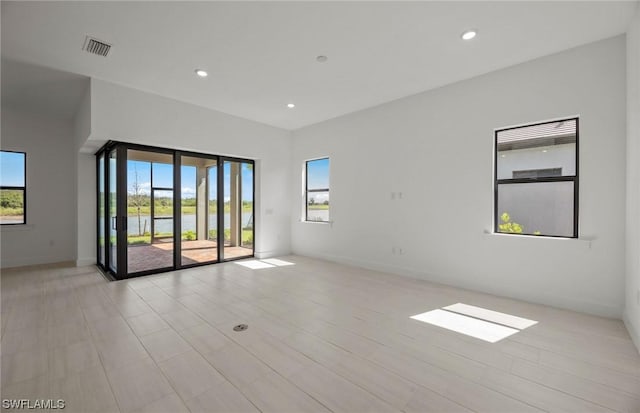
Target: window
13 191
536 179
317 190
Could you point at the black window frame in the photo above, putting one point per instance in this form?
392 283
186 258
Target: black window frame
19 188
307 190
567 178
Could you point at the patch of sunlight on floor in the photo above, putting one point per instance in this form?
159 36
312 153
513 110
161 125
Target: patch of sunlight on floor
277 262
483 330
490 315
255 264
266 263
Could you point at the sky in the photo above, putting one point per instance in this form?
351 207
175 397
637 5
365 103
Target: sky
12 166
318 178
163 178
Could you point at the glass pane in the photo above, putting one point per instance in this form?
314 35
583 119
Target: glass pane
163 174
226 181
11 206
212 203
238 209
12 168
162 204
197 245
113 217
189 201
539 208
318 174
138 201
101 211
537 151
246 171
149 211
318 206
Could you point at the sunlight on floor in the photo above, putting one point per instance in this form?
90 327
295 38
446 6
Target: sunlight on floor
487 325
266 263
490 315
277 262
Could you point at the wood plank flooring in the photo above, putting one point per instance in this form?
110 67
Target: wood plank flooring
322 337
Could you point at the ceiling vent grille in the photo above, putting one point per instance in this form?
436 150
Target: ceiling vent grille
96 46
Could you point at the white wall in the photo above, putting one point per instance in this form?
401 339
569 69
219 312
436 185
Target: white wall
85 184
632 308
50 233
436 149
86 203
128 115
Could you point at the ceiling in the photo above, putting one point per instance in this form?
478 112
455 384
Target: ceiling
41 90
260 56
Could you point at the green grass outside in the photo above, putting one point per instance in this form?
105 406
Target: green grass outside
10 212
318 207
247 236
132 211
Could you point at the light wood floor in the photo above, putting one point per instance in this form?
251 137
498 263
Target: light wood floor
321 337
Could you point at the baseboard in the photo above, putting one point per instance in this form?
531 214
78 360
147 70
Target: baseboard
35 261
593 308
270 254
56 264
633 332
83 262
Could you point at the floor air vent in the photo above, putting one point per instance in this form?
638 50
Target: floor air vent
96 46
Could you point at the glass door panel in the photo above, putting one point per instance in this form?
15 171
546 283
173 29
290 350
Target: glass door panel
113 212
198 239
212 203
238 209
149 210
101 212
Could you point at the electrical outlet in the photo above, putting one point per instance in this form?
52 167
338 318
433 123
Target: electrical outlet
393 250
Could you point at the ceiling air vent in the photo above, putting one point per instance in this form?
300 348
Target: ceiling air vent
96 46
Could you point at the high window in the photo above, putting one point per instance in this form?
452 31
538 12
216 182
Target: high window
317 190
13 187
536 179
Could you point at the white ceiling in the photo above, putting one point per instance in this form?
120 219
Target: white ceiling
37 89
261 55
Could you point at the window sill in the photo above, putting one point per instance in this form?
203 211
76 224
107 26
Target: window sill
317 222
16 227
584 239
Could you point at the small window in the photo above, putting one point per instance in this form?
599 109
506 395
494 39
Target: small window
317 190
536 179
13 191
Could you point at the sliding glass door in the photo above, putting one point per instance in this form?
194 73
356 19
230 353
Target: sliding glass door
150 209
165 209
198 209
112 202
238 209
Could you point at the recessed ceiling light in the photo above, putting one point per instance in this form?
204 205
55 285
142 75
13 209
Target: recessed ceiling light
544 150
469 34
291 105
321 58
201 73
